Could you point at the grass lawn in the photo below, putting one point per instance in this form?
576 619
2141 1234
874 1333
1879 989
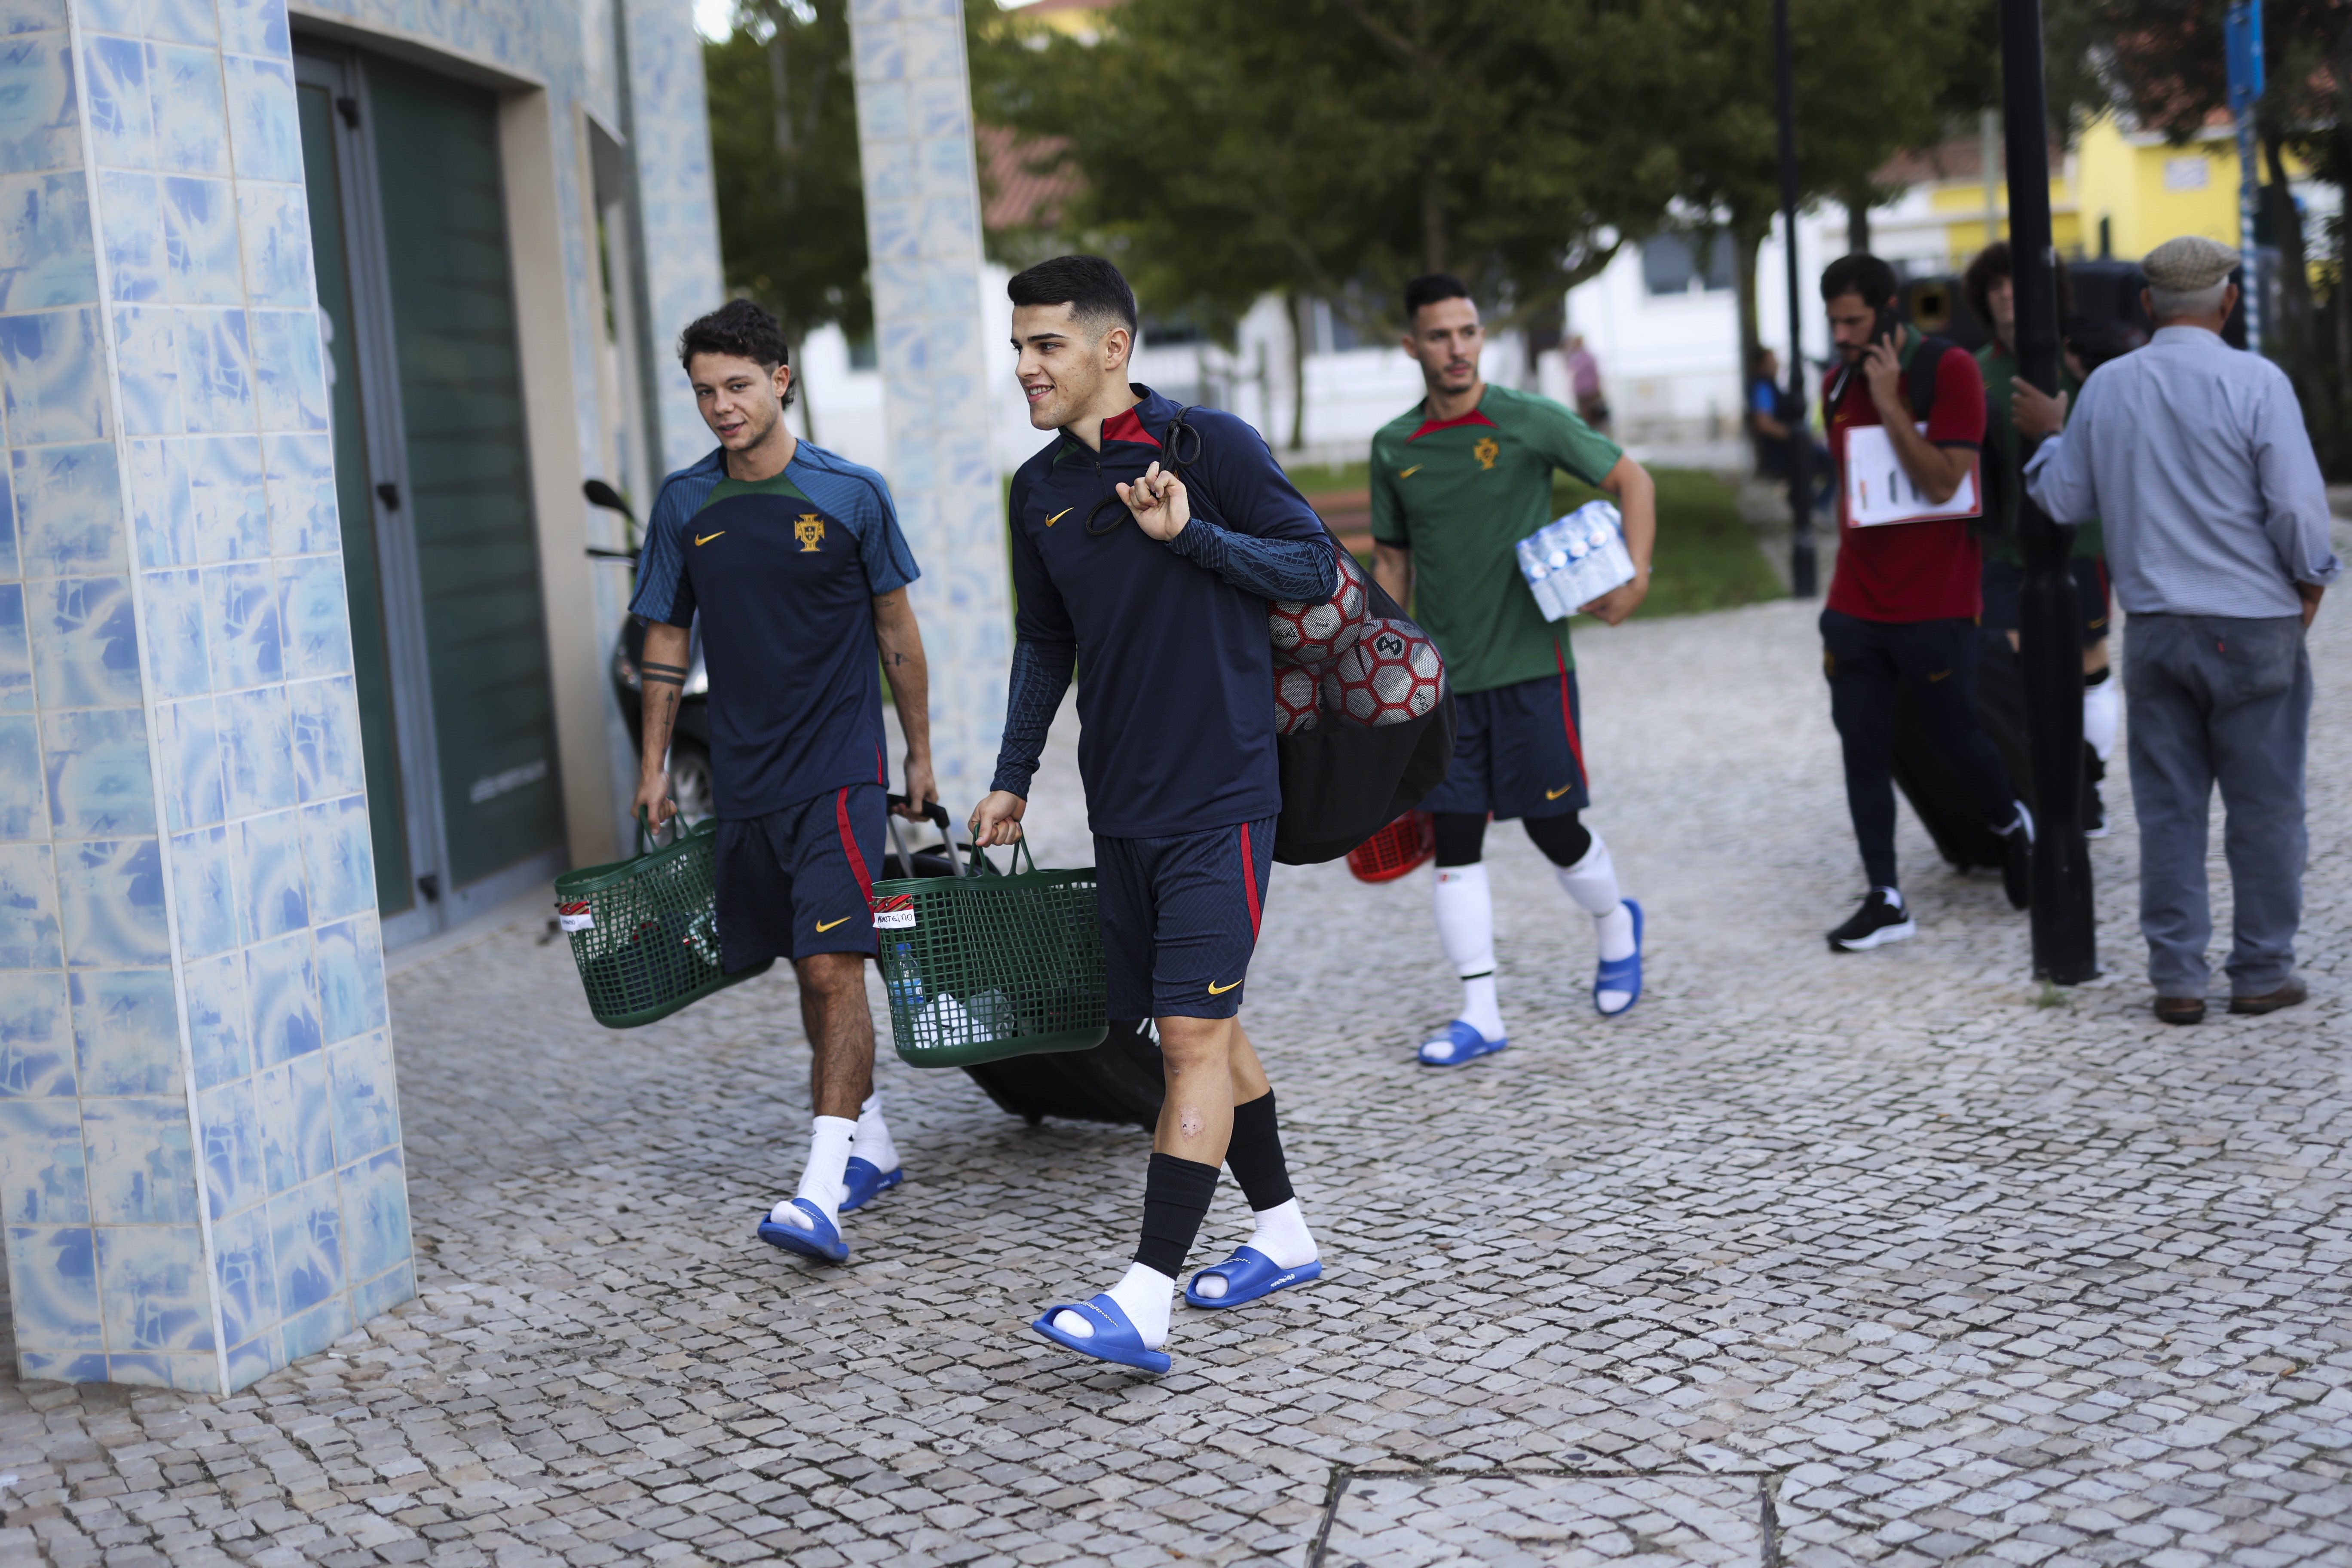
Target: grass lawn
1708 558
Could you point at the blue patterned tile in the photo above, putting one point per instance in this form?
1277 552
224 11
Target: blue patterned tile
242 631
191 124
37 128
274 222
217 1026
99 782
229 490
110 904
15 651
303 515
32 16
142 1160
68 502
232 1133
177 663
147 350
53 1291
340 858
289 378
121 111
200 242
41 1178
52 374
314 1331
305 1229
375 1214
152 1280
9 565
187 735
247 1271
367 1108
131 212
256 751
36 1056
24 812
47 1366
255 1358
380 1294
281 990
47 256
316 615
181 21
884 113
261 119
162 509
29 937
327 753
127 17
351 977
85 643
126 1031
203 884
297 1129
216 372
188 1373
268 851
255 27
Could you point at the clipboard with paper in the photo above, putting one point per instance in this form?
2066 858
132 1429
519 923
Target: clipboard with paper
1879 493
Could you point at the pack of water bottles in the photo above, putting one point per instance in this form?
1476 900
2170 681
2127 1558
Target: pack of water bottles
1572 561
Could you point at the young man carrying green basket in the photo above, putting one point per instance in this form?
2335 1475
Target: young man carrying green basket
1158 595
793 561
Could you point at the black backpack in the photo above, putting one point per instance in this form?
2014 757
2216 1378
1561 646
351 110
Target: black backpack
1341 783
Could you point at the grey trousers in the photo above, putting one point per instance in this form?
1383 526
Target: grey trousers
2218 700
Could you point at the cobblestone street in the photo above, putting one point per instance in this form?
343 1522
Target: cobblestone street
1888 1258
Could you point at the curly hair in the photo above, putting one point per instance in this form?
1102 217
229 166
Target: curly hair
741 329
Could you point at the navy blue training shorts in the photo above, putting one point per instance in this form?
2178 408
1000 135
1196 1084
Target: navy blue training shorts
1180 919
1519 751
797 880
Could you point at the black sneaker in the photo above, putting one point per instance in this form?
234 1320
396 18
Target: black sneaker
2017 859
2094 812
1878 921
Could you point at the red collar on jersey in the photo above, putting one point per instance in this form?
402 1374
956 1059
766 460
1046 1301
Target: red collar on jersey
1473 417
1125 426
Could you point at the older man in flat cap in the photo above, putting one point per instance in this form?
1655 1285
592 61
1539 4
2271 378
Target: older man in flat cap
2195 455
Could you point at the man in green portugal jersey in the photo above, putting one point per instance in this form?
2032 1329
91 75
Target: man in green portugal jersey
1457 481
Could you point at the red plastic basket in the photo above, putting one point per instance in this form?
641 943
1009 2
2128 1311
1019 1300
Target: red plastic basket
1395 850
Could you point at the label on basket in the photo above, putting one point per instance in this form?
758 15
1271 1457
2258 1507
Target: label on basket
576 916
895 913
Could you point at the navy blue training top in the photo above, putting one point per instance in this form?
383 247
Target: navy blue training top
784 572
1175 670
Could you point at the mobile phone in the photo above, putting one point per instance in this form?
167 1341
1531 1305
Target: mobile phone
1889 327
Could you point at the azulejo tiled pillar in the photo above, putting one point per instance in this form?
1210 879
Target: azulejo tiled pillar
200 1153
932 327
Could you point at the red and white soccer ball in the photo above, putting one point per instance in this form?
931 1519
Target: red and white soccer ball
1316 634
1391 675
1295 709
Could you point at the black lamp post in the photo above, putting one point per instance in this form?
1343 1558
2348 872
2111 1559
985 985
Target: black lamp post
1801 568
2049 644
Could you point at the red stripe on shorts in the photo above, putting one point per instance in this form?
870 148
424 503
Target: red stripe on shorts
849 847
1568 718
1249 879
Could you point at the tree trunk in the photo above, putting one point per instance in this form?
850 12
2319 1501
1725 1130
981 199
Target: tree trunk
1298 311
1434 241
2291 339
779 86
1745 240
1857 224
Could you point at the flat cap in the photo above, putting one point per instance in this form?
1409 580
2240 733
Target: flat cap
2187 265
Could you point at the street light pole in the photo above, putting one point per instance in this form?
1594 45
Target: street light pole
1801 564
2241 31
2050 641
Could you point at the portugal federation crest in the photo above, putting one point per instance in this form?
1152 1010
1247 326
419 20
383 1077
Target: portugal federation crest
809 531
1487 451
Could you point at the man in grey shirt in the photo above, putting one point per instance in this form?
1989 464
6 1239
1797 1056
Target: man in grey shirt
2195 454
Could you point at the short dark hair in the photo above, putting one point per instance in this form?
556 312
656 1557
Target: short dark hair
1861 273
741 329
1429 288
1991 265
1095 290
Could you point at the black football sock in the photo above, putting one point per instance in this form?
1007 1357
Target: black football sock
1254 1155
1176 1195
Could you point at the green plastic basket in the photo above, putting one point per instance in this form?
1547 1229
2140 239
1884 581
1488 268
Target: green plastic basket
644 931
980 967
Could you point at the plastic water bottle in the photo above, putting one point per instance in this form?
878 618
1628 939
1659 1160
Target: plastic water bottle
907 988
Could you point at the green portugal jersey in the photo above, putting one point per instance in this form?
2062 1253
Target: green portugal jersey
1461 494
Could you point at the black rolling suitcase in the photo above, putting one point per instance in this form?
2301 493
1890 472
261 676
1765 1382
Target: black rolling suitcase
1118 1081
1943 800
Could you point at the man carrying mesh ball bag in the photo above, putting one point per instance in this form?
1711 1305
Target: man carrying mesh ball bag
1154 589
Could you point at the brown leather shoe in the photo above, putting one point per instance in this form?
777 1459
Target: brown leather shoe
2286 995
2180 1009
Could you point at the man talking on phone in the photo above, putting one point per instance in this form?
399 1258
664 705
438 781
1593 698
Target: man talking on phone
1904 596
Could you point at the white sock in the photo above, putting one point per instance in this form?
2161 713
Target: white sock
1466 927
829 1138
872 1144
1591 884
1144 1294
1281 1234
2102 711
1894 898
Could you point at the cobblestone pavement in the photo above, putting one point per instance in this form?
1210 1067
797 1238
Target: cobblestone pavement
1888 1258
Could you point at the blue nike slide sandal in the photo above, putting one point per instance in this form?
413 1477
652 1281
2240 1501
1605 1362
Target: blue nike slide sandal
1249 1275
1459 1044
1114 1338
1622 973
823 1242
862 1180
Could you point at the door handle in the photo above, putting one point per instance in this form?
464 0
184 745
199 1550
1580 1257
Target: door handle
429 885
390 495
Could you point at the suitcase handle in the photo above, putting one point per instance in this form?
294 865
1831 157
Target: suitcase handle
937 816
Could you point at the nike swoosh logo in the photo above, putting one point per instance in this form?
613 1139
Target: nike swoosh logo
824 926
1408 473
708 537
1060 515
1556 794
1217 990
1940 675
